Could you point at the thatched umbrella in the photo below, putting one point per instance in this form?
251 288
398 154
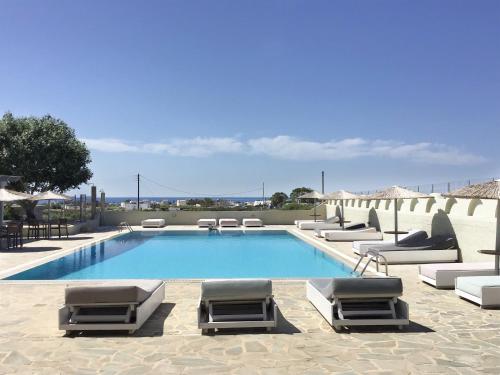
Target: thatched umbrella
313 195
342 195
395 193
486 190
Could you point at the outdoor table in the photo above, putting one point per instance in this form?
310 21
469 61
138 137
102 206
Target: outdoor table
315 216
493 252
395 232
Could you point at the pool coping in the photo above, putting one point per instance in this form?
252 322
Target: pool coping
330 251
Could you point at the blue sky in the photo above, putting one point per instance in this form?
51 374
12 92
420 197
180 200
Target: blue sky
217 96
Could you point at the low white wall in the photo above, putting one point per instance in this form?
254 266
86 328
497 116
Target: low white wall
269 217
472 221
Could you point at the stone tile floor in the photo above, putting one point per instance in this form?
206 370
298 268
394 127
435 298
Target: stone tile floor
447 336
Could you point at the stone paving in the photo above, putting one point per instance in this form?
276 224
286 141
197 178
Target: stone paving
447 335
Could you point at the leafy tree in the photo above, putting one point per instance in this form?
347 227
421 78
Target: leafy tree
278 199
297 192
45 152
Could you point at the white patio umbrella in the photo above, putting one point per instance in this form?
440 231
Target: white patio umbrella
342 195
50 196
394 193
10 196
313 195
487 190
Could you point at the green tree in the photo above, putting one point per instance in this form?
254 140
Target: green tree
297 192
278 199
45 152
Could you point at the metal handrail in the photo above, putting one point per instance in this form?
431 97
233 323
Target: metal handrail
371 254
125 225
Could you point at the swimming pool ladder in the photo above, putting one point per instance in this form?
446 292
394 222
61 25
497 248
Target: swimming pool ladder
371 255
124 225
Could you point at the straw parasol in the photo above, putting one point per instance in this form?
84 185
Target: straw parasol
50 196
342 195
313 195
486 190
394 193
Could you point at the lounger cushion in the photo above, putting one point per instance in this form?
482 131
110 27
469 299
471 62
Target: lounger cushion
474 285
367 287
153 223
430 270
431 243
413 235
252 222
359 287
236 289
207 222
112 292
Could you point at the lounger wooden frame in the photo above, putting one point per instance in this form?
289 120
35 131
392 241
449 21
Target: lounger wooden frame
109 322
266 318
337 317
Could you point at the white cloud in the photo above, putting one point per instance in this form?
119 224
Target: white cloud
290 148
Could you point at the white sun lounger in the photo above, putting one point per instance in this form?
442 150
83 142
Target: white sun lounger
206 223
252 222
483 290
116 305
330 220
310 225
352 235
237 303
153 223
443 275
228 223
363 246
359 301
320 232
437 249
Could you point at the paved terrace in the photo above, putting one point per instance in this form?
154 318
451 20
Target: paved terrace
447 335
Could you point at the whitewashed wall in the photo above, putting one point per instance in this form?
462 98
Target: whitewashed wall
472 221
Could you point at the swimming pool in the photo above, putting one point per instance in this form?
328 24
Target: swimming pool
192 255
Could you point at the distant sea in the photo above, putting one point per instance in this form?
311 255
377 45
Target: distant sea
173 199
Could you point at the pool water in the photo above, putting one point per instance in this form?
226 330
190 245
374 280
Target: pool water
192 255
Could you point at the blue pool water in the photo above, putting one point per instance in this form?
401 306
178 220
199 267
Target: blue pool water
192 255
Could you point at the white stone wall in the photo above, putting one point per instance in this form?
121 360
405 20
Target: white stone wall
472 221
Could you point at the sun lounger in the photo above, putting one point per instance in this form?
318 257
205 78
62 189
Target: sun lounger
443 275
330 220
117 305
320 232
483 290
361 301
252 222
153 223
352 235
329 226
430 250
360 247
206 223
237 303
228 223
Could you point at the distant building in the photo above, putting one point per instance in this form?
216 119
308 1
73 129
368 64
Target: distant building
132 205
181 202
260 203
